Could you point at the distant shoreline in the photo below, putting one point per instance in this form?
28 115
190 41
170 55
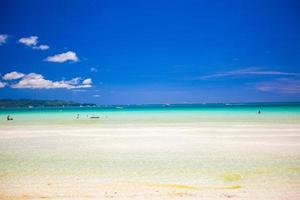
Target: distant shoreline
60 104
35 103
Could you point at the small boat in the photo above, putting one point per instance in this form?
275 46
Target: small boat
94 117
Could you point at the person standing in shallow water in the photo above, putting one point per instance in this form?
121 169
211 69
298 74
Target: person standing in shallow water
258 112
8 118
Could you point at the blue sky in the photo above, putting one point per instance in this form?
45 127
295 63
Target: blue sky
125 52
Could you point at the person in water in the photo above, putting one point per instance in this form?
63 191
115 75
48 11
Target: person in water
258 112
8 118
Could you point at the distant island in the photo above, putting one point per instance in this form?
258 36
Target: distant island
9 103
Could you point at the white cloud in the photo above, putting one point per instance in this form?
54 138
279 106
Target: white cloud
82 86
29 41
41 47
87 81
96 95
249 71
93 69
2 84
37 81
63 57
3 39
283 85
32 42
74 81
13 75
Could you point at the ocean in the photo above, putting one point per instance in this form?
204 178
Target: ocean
177 113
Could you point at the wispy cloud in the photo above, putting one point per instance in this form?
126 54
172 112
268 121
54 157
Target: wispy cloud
282 85
3 39
73 81
63 57
41 47
13 75
249 71
93 69
32 42
79 90
37 81
2 84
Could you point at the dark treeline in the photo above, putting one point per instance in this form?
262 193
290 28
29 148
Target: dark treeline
39 103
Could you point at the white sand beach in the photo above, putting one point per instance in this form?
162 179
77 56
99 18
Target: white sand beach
198 160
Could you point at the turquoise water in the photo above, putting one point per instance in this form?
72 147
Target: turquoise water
235 107
156 114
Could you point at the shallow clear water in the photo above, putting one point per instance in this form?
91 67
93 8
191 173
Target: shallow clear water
157 114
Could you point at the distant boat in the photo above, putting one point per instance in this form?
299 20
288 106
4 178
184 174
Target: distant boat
30 106
94 117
